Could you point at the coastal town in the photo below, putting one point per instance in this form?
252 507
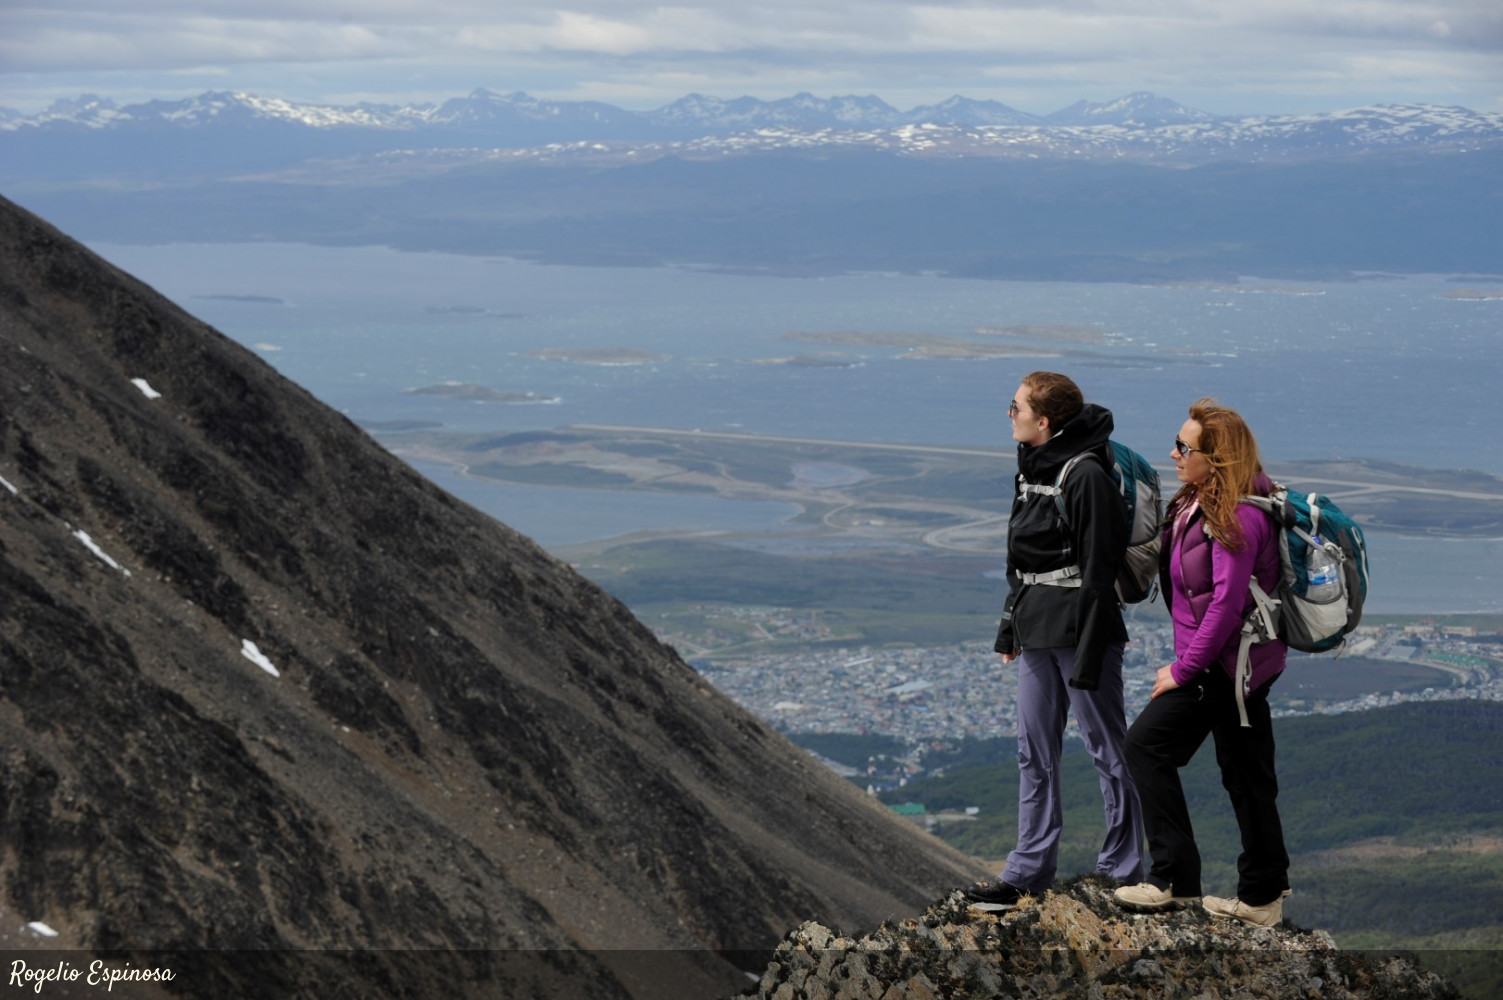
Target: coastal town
964 690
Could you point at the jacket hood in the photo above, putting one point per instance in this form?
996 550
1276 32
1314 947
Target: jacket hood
1087 430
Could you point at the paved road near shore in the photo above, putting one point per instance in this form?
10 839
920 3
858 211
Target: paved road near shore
993 453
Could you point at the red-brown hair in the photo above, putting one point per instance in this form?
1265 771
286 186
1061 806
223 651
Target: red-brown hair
1228 445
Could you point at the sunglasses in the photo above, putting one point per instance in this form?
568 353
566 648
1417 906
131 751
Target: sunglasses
1012 408
1183 449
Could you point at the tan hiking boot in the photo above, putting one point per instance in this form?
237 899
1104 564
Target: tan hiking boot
1259 916
1150 898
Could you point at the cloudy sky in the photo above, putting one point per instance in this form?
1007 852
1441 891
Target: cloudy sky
1222 56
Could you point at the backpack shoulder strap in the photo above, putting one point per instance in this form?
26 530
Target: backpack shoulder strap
1072 463
1258 626
1057 491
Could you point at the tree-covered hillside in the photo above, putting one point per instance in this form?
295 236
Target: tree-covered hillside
1394 819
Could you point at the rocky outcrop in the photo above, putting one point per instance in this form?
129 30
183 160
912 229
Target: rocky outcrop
266 693
1074 943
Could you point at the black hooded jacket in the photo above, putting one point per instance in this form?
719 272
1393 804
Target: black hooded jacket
1088 617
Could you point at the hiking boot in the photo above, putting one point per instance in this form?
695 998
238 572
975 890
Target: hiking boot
994 897
1259 916
1149 898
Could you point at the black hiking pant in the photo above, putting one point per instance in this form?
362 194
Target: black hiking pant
1163 739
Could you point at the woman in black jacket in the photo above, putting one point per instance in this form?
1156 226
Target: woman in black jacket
1063 625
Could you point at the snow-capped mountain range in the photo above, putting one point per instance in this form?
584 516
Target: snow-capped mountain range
1136 189
702 115
481 108
1302 137
238 131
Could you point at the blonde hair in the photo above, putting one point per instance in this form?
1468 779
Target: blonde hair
1228 445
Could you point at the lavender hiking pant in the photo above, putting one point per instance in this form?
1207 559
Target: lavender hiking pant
1044 699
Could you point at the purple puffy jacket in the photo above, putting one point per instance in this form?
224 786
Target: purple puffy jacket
1208 596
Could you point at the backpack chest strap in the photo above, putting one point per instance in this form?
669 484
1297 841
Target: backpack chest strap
1026 490
1069 576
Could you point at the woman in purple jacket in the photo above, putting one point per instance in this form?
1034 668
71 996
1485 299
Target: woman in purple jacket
1213 545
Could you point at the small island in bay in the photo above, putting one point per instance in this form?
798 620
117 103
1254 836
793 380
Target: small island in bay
1473 294
257 300
461 310
1275 290
1238 288
481 393
919 346
397 426
810 361
598 355
1069 334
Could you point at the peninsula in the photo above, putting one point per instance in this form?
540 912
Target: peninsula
598 355
481 393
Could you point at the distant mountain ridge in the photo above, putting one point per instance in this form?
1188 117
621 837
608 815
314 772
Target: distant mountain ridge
483 108
1136 189
1140 108
1386 128
224 132
692 115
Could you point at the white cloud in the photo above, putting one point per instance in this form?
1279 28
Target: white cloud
403 50
567 31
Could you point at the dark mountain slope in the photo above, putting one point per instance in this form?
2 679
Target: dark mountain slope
440 738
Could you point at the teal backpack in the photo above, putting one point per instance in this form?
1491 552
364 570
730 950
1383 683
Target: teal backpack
1322 580
1323 571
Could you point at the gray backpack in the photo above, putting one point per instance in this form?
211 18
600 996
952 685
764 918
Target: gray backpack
1137 483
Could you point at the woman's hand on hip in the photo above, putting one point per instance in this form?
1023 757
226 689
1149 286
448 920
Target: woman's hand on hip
1164 681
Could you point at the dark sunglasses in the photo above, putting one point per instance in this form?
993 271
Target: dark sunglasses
1012 408
1183 449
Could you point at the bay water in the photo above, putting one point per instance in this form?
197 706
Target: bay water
1392 368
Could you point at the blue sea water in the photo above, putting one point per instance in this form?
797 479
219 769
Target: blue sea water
1385 368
